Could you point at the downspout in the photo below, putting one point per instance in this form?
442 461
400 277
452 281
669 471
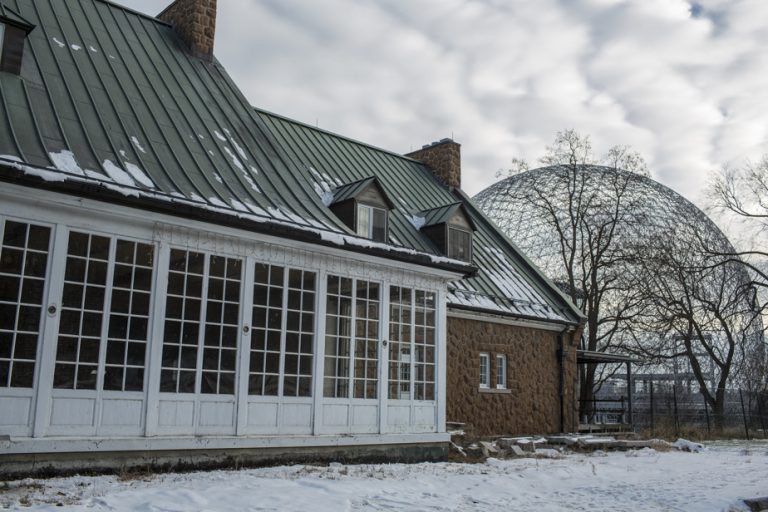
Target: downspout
562 354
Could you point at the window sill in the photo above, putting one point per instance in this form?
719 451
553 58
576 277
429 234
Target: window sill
495 391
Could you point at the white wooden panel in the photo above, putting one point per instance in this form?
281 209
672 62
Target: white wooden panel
121 413
262 415
335 415
15 411
365 415
73 412
217 414
174 413
297 415
424 415
398 415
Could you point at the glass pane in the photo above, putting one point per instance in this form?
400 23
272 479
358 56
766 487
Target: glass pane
82 314
379 232
364 220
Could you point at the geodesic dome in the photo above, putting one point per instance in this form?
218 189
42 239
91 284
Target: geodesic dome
535 209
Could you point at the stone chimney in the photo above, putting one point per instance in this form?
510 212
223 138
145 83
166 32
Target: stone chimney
195 22
444 159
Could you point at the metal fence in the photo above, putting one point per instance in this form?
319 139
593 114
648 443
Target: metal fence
674 408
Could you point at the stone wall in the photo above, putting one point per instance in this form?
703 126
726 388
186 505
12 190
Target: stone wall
531 403
195 22
444 158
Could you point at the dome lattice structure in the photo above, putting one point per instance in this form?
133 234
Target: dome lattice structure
562 215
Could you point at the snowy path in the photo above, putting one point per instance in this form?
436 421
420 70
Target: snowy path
634 481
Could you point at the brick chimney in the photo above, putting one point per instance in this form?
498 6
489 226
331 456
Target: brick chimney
195 22
444 159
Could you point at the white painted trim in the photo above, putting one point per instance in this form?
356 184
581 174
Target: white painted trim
503 320
55 286
319 353
155 346
383 384
244 346
25 445
97 216
441 332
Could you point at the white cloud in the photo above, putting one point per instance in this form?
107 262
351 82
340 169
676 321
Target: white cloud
683 83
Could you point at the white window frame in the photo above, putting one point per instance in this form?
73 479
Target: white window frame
368 233
485 370
501 371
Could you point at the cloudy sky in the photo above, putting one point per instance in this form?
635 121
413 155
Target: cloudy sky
685 83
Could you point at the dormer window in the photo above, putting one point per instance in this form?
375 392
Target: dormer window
372 222
450 228
364 207
13 37
459 244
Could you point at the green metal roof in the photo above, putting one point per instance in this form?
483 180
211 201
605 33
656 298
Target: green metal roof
109 104
443 214
352 190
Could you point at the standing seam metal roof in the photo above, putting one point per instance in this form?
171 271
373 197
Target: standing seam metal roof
108 99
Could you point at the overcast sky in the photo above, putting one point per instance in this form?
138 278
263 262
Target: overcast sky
684 83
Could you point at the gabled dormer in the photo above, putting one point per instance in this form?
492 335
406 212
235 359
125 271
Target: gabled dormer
450 228
364 207
13 37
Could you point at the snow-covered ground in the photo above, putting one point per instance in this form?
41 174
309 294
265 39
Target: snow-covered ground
644 480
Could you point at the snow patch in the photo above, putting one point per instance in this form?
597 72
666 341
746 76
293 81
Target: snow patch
139 175
76 47
417 221
61 45
118 175
219 136
688 446
94 50
65 161
137 144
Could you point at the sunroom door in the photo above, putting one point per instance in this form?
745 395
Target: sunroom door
24 277
101 344
281 351
200 343
351 396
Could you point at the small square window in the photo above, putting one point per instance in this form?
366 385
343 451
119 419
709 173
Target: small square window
459 244
372 222
501 371
485 371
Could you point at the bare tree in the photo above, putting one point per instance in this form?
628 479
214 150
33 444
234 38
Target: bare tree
586 217
705 313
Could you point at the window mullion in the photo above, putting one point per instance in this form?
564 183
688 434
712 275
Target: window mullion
352 341
107 306
412 326
201 324
283 327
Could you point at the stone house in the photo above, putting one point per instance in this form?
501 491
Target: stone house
186 278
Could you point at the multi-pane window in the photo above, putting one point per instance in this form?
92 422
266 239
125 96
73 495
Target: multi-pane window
459 244
338 335
189 273
485 370
424 345
366 348
372 222
351 338
267 327
400 322
501 371
299 334
129 316
412 344
23 263
221 326
82 311
182 321
272 304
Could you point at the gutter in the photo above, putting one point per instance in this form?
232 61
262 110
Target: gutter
179 209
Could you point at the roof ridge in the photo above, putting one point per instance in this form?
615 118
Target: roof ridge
134 11
334 134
